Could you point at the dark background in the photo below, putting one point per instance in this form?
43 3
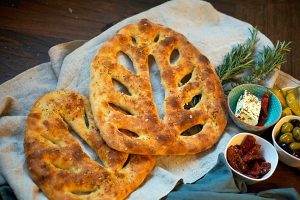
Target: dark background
29 28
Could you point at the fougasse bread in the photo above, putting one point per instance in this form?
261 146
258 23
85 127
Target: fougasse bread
58 163
129 121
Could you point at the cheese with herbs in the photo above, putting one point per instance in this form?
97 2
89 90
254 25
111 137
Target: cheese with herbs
248 108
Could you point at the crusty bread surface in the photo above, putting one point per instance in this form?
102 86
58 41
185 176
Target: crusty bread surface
130 121
58 162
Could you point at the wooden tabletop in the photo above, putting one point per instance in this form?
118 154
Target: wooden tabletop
29 28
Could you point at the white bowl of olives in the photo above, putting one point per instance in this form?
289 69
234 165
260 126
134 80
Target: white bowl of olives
286 139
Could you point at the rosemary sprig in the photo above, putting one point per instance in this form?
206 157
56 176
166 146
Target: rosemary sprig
195 100
241 57
268 60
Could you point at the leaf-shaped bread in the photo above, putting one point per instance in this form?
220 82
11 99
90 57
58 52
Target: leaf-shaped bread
129 119
57 162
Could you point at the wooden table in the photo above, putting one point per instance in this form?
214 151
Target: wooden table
29 28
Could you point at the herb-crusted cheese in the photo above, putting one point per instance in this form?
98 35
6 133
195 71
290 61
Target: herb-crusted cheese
248 108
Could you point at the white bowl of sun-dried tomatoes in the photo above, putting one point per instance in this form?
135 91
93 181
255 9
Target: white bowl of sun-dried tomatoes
251 158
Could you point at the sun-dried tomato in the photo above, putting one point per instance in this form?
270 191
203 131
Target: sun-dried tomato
264 109
247 159
254 172
253 154
234 157
259 169
265 168
247 144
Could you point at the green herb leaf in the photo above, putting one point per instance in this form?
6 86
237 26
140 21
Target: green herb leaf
241 57
195 100
267 61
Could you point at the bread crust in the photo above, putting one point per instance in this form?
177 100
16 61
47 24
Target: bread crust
57 162
153 135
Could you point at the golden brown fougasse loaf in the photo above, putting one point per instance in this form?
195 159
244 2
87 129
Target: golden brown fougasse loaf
138 128
57 162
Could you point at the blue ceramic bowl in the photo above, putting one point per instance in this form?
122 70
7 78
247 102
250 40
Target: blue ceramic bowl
257 90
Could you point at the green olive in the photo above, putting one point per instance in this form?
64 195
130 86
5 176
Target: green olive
296 133
287 127
295 146
287 138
